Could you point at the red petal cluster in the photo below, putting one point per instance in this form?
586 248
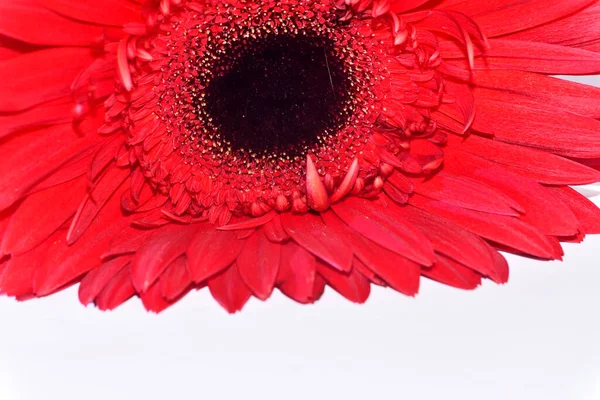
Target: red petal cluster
459 144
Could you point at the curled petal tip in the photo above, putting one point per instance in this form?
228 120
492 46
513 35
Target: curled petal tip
380 7
123 66
316 194
348 182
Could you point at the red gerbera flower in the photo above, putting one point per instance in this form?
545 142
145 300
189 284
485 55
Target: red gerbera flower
154 147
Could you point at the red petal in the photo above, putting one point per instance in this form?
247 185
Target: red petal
117 291
53 147
54 112
316 194
97 279
319 288
509 231
77 166
369 274
579 29
50 72
175 280
325 242
500 17
352 285
398 272
532 57
106 154
128 241
538 203
211 251
33 23
395 194
296 276
401 6
453 241
540 166
258 264
274 230
502 267
92 204
586 212
467 193
249 223
109 12
452 273
153 300
62 264
163 247
41 214
462 109
229 290
347 183
557 93
16 278
390 231
4 219
548 129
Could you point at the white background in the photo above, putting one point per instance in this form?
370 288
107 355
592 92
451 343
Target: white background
535 338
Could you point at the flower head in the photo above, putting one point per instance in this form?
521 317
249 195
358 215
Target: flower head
152 149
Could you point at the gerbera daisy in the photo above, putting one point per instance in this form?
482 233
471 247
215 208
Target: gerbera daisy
149 148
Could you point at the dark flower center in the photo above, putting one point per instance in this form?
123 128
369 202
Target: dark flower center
278 92
246 92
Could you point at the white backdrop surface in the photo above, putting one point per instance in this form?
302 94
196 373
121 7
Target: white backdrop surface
535 338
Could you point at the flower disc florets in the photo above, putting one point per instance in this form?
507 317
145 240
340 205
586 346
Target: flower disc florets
244 92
